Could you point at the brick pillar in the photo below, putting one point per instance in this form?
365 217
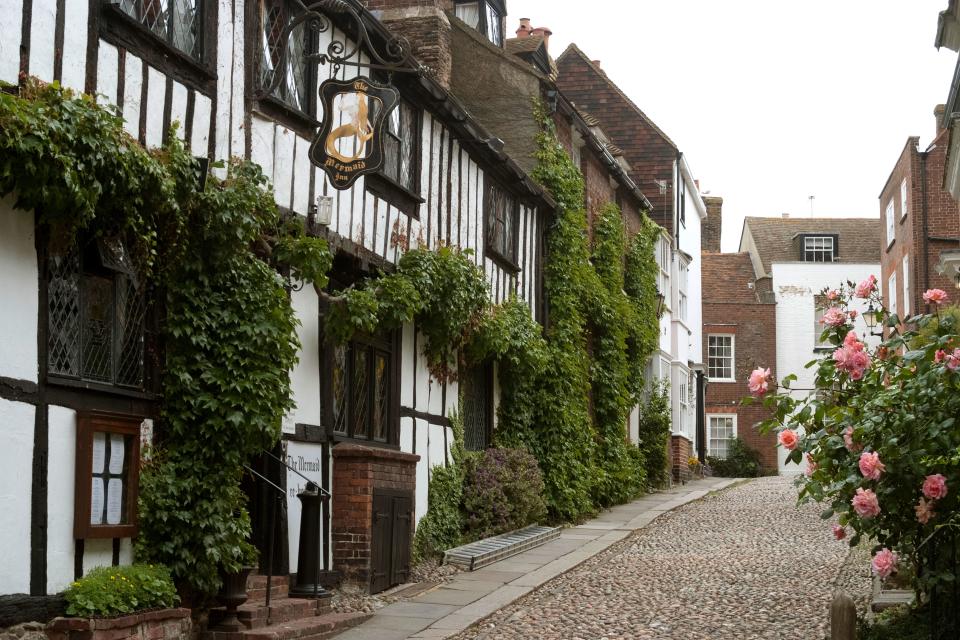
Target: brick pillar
357 471
680 456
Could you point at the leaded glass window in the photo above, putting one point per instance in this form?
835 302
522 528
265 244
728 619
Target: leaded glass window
294 86
400 146
95 315
360 386
502 214
178 22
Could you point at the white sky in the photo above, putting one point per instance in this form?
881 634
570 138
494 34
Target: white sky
771 101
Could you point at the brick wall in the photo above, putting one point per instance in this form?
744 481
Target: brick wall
425 25
357 471
931 214
651 155
163 624
711 227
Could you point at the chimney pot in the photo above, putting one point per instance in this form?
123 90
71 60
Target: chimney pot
546 33
524 30
596 63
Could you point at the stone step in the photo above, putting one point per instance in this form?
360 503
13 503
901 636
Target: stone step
254 615
257 587
310 628
489 550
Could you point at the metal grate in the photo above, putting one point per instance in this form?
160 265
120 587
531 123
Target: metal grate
175 21
489 550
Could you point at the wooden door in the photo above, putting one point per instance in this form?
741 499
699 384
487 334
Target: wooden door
392 526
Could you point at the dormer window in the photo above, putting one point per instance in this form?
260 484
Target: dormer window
814 248
486 16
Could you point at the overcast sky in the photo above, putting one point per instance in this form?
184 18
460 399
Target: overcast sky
770 101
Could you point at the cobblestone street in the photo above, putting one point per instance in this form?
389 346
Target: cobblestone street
740 564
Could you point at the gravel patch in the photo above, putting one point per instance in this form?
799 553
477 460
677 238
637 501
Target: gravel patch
353 599
744 563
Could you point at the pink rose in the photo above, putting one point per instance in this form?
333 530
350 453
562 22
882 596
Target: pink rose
935 296
852 359
866 287
833 294
935 486
759 381
853 314
839 532
865 503
788 439
812 465
924 510
953 360
939 356
851 341
848 442
834 317
870 465
884 563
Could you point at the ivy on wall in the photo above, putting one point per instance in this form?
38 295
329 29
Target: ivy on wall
213 258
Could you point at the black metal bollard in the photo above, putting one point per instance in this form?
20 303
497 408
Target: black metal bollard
308 561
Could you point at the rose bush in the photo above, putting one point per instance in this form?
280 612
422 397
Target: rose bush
879 432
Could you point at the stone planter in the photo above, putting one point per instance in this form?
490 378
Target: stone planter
162 624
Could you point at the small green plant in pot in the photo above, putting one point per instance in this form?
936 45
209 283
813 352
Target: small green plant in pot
113 591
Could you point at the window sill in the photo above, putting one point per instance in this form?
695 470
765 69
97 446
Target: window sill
100 387
290 117
395 194
508 265
339 437
713 380
120 29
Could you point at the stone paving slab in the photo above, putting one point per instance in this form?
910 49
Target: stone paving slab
487 590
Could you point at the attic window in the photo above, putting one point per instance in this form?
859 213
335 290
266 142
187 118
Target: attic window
486 16
818 248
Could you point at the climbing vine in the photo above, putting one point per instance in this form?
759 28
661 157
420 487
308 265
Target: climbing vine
213 258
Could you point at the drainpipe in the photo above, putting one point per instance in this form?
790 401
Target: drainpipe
701 418
924 214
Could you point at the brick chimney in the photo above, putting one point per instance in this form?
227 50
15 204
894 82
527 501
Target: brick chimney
525 29
710 231
424 23
938 113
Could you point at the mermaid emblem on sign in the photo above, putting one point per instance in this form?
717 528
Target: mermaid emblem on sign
349 143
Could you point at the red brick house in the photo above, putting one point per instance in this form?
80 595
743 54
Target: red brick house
739 335
920 220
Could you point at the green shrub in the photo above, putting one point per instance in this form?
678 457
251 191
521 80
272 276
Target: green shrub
898 623
503 490
742 461
113 591
655 433
442 526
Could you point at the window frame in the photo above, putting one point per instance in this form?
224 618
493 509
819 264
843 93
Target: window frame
383 186
490 250
905 270
733 431
834 246
892 292
732 357
483 26
891 224
304 122
372 345
123 30
904 200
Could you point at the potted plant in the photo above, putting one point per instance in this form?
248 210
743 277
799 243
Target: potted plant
233 591
109 602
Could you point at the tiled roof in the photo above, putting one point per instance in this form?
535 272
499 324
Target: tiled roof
614 149
728 277
522 45
777 239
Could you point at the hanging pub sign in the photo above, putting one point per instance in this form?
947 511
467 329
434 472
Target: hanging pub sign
350 141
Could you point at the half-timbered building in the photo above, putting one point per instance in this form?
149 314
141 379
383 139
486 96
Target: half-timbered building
77 392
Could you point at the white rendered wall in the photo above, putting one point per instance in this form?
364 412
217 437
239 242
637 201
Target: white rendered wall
61 478
18 282
305 377
795 284
16 473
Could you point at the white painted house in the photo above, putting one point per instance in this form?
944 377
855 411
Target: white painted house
802 257
445 183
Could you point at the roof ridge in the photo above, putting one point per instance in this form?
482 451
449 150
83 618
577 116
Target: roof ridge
575 49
